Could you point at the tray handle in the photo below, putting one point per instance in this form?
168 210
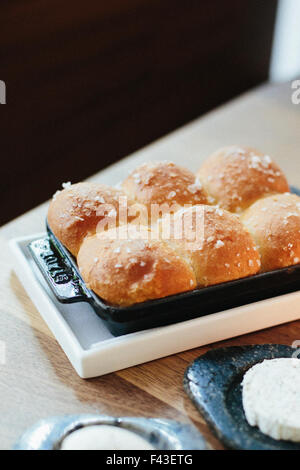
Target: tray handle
62 279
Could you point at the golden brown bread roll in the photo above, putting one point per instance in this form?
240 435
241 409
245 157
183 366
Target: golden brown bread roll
128 271
79 210
237 176
274 223
219 248
164 182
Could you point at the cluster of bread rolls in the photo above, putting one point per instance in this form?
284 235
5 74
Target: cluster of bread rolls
238 215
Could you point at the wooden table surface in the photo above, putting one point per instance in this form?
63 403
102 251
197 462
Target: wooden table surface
37 379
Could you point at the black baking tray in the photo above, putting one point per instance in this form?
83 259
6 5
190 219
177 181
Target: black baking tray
60 270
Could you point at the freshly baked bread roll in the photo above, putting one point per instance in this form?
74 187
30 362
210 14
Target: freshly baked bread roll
274 223
163 182
80 209
215 242
237 176
132 270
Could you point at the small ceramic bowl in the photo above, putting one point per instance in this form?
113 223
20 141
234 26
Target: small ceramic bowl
161 434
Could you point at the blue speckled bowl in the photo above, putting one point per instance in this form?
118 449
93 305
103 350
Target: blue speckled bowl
162 434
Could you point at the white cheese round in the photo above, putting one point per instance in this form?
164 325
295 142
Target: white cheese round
271 398
104 437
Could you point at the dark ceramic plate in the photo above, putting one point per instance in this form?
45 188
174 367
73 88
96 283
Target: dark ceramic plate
162 434
213 382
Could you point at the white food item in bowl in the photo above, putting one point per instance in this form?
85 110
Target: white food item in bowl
104 437
271 398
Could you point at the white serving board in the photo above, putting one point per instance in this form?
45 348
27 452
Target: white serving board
94 351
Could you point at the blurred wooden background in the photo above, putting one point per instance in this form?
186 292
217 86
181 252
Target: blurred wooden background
90 82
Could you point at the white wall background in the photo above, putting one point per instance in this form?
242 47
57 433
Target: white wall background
285 63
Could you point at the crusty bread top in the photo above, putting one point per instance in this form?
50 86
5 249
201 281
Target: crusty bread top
128 271
222 251
237 176
164 182
79 209
274 223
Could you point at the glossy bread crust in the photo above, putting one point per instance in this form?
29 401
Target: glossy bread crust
274 223
237 176
223 250
128 271
78 210
164 183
